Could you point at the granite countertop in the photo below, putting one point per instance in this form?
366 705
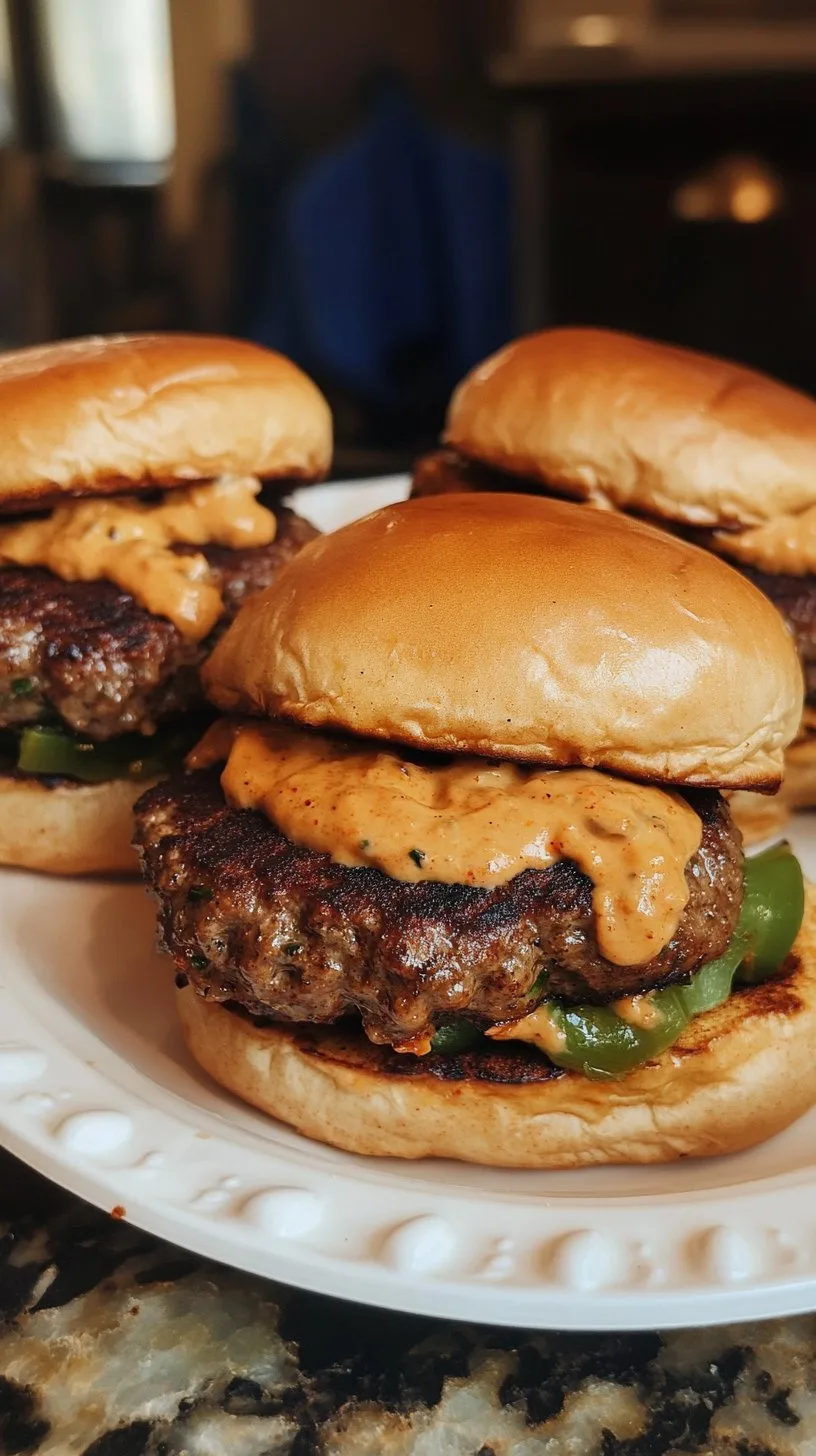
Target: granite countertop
115 1344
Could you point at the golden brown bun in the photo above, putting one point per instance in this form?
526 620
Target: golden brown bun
641 426
799 787
759 816
67 828
522 628
738 1075
132 412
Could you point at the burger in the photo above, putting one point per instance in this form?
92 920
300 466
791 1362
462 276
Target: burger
714 451
453 874
131 530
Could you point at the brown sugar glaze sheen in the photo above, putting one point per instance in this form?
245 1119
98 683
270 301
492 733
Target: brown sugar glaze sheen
129 542
472 822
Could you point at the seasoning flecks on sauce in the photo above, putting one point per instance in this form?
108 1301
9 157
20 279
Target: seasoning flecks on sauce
784 546
477 822
128 541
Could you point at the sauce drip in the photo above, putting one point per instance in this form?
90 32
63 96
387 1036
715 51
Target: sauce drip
784 546
640 1011
128 541
471 822
539 1029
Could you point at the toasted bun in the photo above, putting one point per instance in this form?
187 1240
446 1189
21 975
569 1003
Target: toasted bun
105 414
760 817
67 828
522 628
738 1075
641 426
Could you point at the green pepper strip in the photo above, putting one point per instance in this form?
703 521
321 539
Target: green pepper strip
456 1037
599 1043
44 750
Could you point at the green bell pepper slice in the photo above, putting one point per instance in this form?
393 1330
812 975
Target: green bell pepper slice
456 1037
772 911
50 750
600 1044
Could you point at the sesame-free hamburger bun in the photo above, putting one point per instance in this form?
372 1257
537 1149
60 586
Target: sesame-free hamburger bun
62 827
641 426
123 413
592 639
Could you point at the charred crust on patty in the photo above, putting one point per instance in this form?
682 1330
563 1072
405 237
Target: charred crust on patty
512 1064
403 956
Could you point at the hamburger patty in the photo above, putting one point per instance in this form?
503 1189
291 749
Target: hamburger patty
446 472
795 598
86 651
285 932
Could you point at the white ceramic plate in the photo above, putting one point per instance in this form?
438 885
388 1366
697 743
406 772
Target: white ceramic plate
98 1092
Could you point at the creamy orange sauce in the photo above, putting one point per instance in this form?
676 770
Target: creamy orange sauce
128 541
538 1028
639 1011
783 546
541 1029
471 821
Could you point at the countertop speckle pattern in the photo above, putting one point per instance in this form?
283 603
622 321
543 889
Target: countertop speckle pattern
114 1344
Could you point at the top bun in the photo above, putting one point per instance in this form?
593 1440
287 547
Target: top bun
524 628
132 412
641 426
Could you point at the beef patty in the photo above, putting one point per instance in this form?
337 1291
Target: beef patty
285 932
87 652
446 472
795 598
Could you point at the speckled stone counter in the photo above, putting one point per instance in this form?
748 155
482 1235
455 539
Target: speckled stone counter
114 1344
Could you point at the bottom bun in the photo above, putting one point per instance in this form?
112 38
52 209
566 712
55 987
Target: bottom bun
67 828
739 1074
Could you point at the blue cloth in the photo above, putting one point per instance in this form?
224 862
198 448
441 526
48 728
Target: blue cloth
392 276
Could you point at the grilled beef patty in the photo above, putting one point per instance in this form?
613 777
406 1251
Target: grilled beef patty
795 598
285 932
446 472
87 652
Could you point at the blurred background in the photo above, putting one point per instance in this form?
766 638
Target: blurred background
388 191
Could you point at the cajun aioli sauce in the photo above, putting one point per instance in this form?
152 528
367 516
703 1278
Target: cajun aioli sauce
784 546
539 1028
128 541
471 822
542 1030
640 1011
